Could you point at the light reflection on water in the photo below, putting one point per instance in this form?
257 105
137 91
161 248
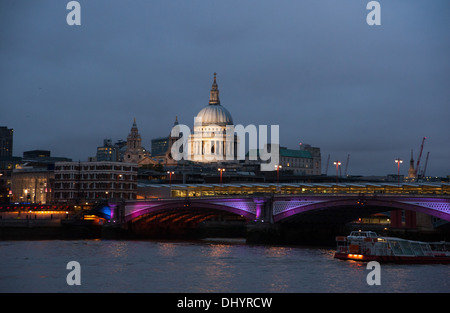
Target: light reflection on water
209 266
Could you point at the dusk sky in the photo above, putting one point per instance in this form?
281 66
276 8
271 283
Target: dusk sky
314 67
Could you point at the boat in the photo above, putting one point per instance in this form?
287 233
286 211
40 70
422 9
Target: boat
368 246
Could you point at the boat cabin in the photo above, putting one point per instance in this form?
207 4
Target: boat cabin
361 235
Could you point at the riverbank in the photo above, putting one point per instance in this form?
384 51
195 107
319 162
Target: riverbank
46 229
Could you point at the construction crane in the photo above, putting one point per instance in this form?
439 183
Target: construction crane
425 166
346 165
326 169
420 155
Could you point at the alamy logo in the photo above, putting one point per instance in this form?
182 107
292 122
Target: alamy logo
374 276
74 276
215 143
374 16
74 16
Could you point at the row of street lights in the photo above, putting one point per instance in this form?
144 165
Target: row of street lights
398 161
221 170
278 166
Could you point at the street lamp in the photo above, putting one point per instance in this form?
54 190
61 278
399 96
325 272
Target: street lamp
398 161
170 176
221 170
337 163
277 167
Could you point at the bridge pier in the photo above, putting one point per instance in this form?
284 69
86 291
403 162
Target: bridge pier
396 219
410 219
264 209
263 230
263 233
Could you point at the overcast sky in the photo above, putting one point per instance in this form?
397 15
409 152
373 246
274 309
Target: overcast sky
314 67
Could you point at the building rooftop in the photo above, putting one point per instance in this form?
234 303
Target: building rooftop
295 153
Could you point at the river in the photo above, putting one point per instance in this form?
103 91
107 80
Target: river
222 266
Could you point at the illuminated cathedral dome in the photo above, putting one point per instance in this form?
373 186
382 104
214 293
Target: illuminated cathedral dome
214 113
209 142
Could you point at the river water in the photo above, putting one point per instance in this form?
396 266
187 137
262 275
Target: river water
221 266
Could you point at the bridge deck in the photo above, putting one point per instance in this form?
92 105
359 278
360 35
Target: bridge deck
202 190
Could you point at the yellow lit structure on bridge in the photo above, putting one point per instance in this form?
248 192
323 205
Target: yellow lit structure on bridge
204 190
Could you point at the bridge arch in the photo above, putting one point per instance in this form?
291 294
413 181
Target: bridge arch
342 210
182 218
189 209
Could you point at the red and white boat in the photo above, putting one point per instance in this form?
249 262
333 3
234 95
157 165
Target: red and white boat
368 246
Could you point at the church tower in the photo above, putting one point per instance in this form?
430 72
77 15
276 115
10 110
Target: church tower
171 138
168 159
411 171
134 152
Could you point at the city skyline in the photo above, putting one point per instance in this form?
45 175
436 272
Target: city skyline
316 69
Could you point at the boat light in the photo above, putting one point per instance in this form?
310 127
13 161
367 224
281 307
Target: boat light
355 256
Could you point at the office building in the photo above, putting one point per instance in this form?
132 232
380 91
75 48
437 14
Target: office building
91 181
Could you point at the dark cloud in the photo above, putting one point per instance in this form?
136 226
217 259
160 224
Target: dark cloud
313 67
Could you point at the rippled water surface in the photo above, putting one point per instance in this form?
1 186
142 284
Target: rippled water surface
208 266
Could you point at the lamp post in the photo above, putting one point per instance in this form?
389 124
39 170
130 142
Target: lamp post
337 163
170 176
221 170
277 167
398 161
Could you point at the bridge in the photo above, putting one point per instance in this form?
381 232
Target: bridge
335 205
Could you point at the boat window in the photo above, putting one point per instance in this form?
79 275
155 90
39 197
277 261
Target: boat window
380 248
406 247
416 248
426 248
395 246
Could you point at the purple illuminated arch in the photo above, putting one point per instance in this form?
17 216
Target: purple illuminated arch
199 205
387 204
